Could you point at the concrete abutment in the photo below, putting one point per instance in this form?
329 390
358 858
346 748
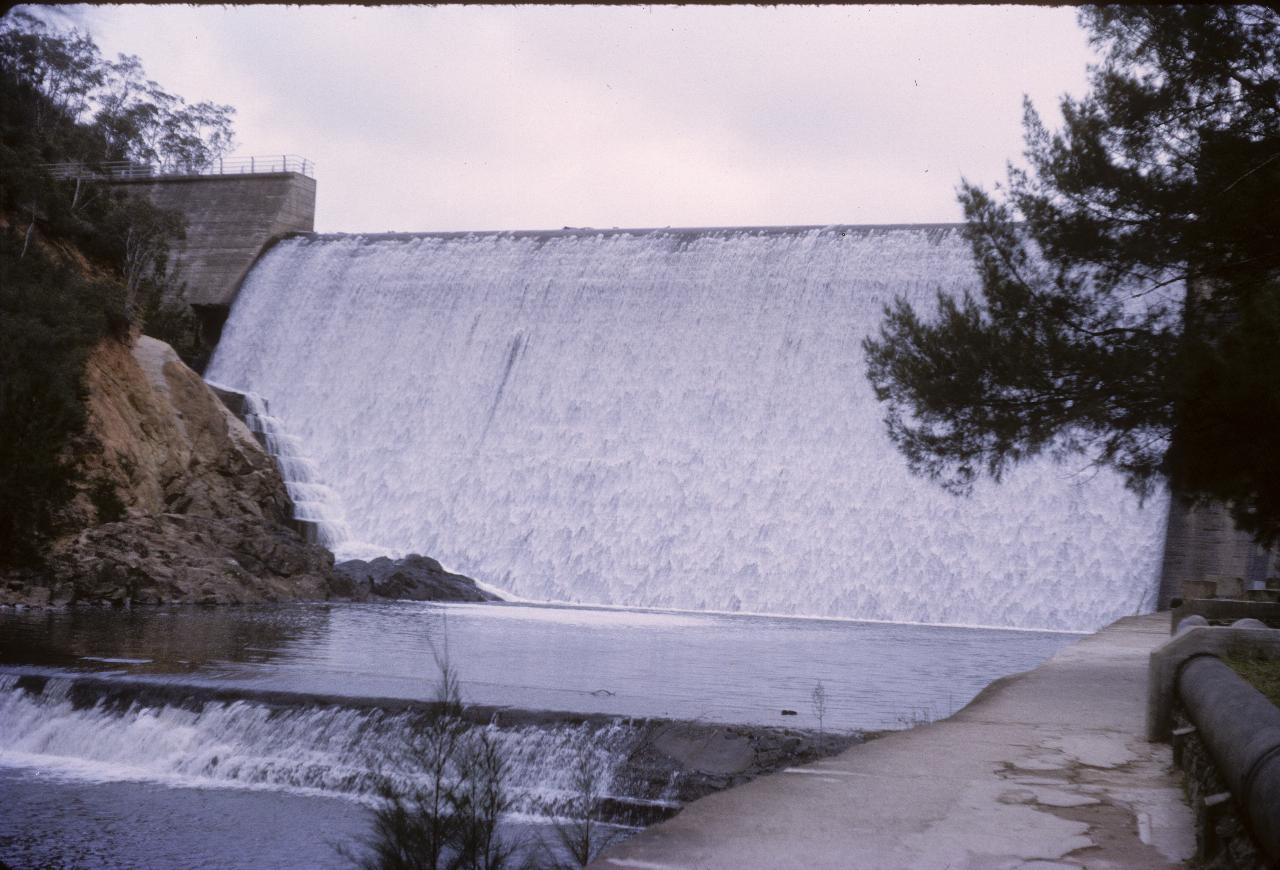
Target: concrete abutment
231 219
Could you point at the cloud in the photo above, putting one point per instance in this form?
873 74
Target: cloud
504 117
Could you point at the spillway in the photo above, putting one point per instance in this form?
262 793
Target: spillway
196 742
663 418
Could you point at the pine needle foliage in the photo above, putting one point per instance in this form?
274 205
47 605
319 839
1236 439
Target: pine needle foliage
1129 301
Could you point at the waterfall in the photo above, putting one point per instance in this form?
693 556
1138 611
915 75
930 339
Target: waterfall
664 418
306 749
313 502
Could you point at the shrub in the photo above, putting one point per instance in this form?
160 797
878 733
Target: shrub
583 836
441 795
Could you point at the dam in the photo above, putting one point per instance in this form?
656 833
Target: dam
663 418
670 429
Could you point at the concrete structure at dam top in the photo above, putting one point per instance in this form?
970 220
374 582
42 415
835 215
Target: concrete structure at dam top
232 217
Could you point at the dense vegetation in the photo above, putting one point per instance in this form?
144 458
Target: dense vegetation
1129 308
79 262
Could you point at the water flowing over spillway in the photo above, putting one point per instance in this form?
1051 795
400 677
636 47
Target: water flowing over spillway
664 418
313 502
309 748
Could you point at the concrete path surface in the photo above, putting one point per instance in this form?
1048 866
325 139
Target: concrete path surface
1043 769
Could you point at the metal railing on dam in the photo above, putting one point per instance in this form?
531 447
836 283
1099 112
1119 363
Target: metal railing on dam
129 169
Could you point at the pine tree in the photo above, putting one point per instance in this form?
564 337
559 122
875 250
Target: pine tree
1129 300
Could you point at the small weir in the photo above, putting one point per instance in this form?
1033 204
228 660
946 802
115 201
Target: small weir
219 716
110 730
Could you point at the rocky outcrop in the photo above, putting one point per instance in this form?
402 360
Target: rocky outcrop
180 504
416 578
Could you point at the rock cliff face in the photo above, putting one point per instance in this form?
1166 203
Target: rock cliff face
182 504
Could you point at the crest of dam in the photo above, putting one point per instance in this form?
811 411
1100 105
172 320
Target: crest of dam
668 418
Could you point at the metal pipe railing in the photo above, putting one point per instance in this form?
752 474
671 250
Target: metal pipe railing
1241 729
129 169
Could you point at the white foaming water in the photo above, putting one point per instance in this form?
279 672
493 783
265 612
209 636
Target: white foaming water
306 750
313 501
675 419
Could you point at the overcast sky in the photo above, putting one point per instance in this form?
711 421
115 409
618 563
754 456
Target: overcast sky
470 118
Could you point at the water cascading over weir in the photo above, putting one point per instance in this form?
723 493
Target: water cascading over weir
664 418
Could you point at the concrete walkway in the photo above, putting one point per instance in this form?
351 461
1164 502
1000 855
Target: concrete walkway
1043 769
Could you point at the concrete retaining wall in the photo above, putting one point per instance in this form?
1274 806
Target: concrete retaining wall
1223 836
230 219
1247 640
1226 738
1203 543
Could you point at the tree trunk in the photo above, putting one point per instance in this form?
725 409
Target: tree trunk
31 226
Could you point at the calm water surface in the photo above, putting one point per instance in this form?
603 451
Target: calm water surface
723 668
112 788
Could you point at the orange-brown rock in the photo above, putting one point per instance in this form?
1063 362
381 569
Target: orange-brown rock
169 444
205 514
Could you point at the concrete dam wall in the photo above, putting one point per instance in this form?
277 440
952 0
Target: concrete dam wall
233 218
663 418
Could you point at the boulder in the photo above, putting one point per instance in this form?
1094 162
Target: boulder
415 578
